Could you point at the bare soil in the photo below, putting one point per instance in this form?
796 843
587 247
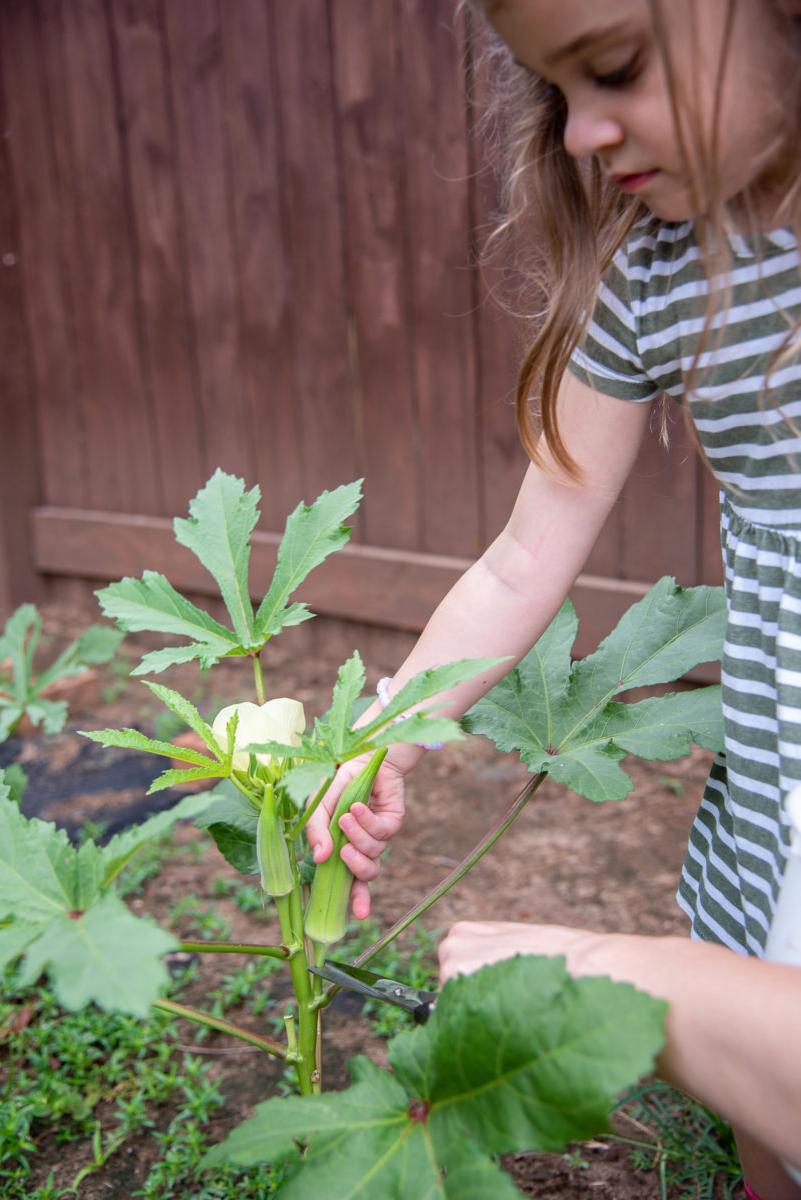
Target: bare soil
606 867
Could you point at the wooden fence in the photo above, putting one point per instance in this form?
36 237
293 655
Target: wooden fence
242 233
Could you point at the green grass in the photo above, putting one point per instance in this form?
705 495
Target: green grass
691 1149
61 1069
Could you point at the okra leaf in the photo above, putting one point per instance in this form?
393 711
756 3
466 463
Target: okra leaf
659 639
120 849
427 684
312 532
152 604
57 911
50 714
307 750
231 820
177 776
187 712
13 782
10 713
19 640
105 955
561 718
335 725
304 781
222 517
419 728
96 645
132 739
518 1056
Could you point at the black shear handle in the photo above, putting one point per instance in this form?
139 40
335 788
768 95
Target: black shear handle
423 1011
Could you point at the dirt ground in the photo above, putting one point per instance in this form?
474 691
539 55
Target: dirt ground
606 867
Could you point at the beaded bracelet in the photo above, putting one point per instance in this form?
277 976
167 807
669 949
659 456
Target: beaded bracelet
382 691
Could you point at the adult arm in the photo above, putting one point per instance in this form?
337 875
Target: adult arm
733 1032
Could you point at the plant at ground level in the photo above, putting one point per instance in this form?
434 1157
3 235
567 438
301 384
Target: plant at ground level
521 1021
23 693
692 1149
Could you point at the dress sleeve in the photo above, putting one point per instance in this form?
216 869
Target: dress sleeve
608 357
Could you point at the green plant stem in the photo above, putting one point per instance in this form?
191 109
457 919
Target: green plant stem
258 679
487 842
234 948
211 1022
290 917
300 824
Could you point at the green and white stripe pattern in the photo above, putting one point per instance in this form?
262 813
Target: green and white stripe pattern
641 342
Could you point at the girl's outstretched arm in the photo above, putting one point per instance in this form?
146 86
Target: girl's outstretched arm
502 604
733 1029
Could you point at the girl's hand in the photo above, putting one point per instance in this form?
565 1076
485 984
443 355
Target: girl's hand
368 829
473 944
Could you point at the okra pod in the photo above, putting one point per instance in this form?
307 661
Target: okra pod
272 852
327 911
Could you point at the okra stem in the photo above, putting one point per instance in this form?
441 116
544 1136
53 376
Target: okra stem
290 918
234 948
258 679
211 1022
487 842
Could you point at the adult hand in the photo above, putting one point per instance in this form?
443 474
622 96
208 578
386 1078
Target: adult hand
470 945
367 828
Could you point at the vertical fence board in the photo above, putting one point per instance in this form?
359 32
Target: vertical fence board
369 99
195 55
19 477
311 179
156 221
437 214
43 200
499 334
118 423
268 320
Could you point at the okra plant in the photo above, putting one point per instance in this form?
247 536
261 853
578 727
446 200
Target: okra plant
517 1057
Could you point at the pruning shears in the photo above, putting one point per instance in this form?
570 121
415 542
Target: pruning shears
378 987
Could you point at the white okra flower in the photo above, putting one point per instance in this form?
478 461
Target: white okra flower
281 720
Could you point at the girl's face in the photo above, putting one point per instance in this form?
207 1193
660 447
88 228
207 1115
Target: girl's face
607 59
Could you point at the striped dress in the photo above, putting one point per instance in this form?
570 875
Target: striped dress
640 342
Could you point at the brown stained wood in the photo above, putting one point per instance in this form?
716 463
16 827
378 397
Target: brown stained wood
438 217
43 201
196 62
268 315
156 216
19 475
312 194
499 335
373 584
369 100
114 395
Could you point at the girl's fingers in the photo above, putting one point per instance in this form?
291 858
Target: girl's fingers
359 865
360 900
380 823
358 836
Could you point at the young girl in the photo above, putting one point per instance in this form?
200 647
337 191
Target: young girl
656 146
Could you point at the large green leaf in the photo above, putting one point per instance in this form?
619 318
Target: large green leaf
561 717
312 532
519 1056
57 911
222 517
152 603
132 739
105 955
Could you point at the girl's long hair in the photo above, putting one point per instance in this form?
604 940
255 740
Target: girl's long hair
561 222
